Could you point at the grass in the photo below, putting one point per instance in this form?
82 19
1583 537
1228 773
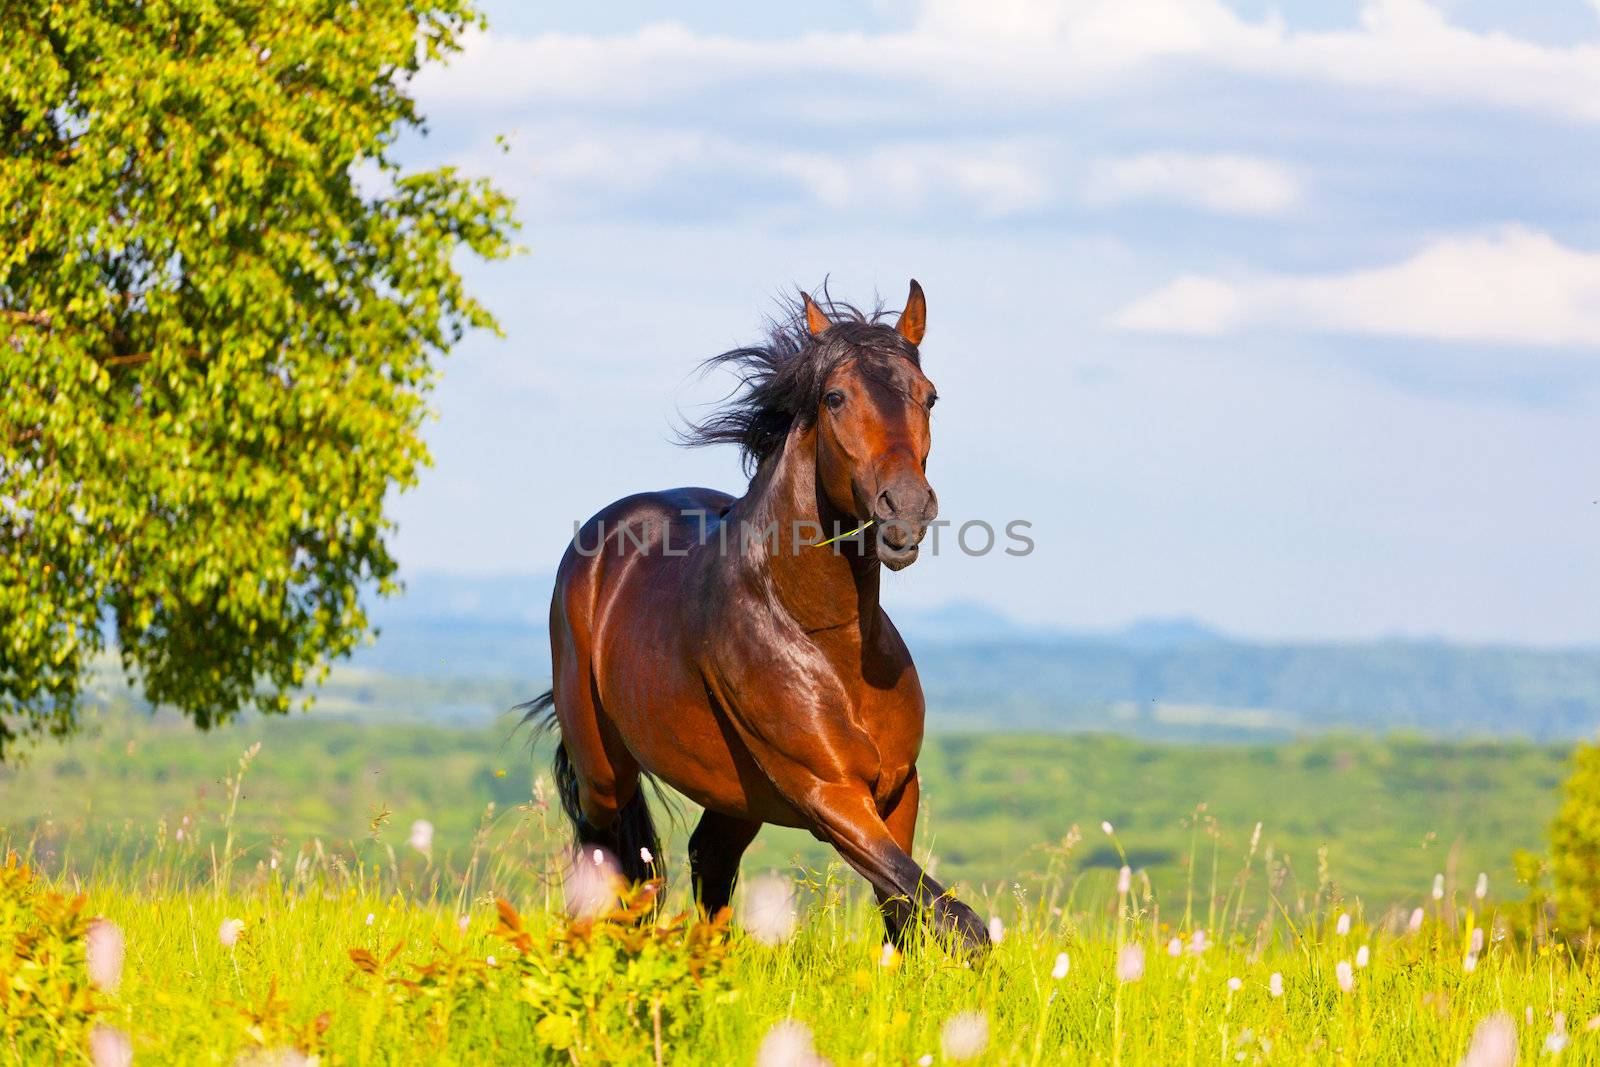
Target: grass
431 994
1388 813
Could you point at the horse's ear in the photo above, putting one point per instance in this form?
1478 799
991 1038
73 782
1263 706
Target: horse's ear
816 320
914 319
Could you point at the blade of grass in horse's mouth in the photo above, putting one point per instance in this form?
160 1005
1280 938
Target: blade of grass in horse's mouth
840 537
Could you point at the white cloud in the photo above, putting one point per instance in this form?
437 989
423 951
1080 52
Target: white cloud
1229 184
1045 48
564 165
1511 286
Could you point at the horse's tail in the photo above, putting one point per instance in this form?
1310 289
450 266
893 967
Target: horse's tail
632 838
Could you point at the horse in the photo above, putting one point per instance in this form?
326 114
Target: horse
736 648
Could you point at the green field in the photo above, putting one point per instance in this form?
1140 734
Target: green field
1389 813
144 817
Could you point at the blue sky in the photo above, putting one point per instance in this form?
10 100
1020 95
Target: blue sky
1286 316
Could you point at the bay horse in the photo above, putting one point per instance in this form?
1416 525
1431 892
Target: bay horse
735 648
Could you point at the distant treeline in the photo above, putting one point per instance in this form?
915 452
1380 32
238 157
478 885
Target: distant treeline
1198 686
1211 687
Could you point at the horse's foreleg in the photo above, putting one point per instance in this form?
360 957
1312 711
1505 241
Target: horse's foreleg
847 817
901 820
715 848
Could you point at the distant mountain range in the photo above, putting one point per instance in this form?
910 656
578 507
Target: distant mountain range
1158 678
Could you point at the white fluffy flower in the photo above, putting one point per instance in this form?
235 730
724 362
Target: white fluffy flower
1363 956
1124 879
1482 889
110 1047
1346 976
1556 1039
1438 887
104 947
1235 984
997 929
1494 1043
788 1044
228 933
1415 923
1059 971
1130 963
1342 928
964 1035
770 915
592 886
1275 984
421 837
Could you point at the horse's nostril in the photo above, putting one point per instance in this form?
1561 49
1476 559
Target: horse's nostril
886 503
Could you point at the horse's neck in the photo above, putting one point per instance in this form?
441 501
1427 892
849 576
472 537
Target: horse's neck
821 587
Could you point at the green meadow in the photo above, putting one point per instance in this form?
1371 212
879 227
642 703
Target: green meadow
352 945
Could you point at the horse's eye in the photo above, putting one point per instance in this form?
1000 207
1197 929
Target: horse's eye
834 400
932 400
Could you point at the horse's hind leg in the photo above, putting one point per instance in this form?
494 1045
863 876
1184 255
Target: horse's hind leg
596 775
715 848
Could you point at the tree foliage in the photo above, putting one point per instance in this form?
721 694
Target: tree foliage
1575 845
223 299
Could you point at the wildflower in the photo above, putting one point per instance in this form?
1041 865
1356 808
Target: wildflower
228 933
104 947
462 923
997 929
646 855
1106 826
886 957
1556 1040
1346 976
110 1047
1059 971
1494 1043
490 960
1416 920
1342 928
1130 963
1125 879
1363 956
1235 984
599 857
769 910
1482 889
592 888
421 837
964 1035
788 1044
1175 947
1477 939
925 1060
273 863
371 918
1255 838
1275 984
1438 887
1470 964
1198 942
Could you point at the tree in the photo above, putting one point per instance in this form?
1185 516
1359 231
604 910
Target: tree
1575 845
222 299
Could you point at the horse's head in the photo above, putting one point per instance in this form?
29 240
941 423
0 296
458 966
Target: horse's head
872 427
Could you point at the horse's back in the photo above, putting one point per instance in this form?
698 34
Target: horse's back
632 551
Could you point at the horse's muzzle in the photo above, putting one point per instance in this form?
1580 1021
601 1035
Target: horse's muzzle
901 514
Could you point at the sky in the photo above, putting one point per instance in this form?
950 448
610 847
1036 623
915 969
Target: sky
1282 316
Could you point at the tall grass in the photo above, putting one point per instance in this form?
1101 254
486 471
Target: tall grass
446 982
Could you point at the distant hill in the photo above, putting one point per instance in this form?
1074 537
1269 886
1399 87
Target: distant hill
1156 678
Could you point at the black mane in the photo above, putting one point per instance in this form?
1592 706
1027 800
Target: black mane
781 382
